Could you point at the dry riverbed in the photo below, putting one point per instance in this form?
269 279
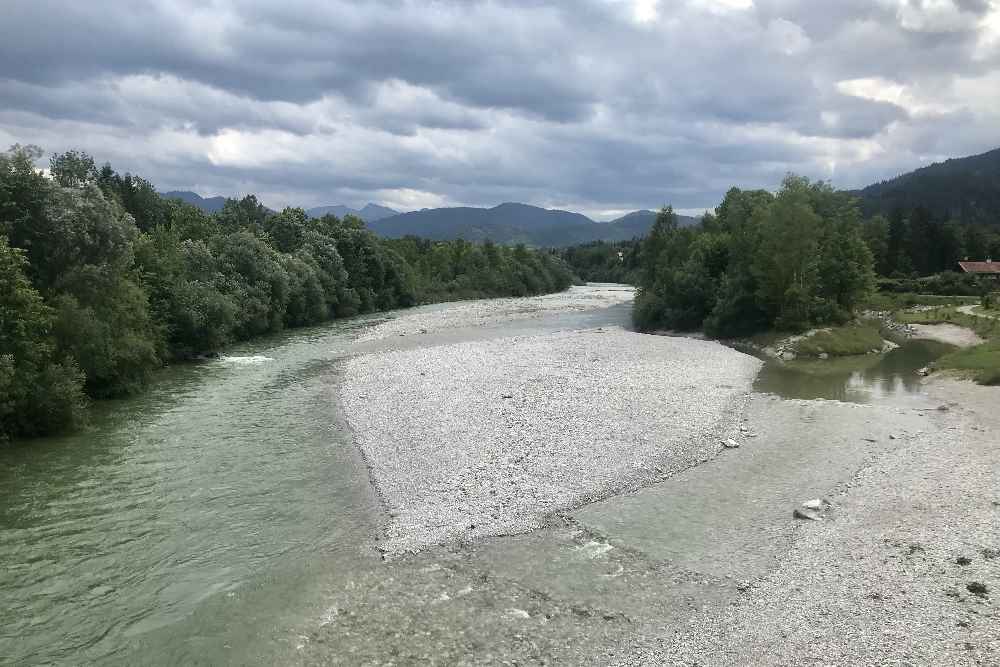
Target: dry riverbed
565 498
489 437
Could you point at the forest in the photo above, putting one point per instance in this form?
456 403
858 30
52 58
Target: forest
604 261
102 281
800 257
762 261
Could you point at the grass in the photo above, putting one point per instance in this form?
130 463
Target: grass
985 327
892 301
981 362
841 341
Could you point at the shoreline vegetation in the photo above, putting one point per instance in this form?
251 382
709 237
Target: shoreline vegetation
102 281
803 261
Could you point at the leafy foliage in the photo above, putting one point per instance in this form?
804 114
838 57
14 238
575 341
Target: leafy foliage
788 260
103 280
603 261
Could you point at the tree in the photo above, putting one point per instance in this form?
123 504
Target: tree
73 169
786 264
876 235
39 393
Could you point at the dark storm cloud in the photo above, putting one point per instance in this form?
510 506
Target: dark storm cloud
602 104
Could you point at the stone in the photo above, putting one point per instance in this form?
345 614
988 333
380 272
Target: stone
815 504
731 444
806 515
824 355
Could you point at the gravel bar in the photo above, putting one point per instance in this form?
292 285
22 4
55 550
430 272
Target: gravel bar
485 312
490 437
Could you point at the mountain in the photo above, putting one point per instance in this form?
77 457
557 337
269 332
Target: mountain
507 223
964 189
206 204
370 212
515 223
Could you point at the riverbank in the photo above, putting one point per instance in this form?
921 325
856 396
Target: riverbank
705 565
904 566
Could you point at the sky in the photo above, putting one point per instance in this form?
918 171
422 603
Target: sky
597 106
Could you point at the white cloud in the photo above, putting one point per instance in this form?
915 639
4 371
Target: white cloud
787 37
934 16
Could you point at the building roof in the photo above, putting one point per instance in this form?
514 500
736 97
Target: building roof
981 267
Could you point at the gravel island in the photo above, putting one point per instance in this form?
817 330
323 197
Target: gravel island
489 437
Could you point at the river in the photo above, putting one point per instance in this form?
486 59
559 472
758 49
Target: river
204 521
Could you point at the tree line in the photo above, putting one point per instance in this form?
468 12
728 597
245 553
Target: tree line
800 257
604 261
912 242
787 261
102 281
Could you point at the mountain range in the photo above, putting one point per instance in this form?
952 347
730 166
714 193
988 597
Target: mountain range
369 212
206 204
507 223
964 189
516 223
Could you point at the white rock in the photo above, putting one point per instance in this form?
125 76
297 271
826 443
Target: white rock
731 444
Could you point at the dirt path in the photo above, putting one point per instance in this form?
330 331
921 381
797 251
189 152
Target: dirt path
951 334
971 310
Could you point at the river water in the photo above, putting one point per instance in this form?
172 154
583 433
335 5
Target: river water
201 522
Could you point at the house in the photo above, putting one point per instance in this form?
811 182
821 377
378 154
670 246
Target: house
988 268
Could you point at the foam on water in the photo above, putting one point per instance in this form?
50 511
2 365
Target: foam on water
255 360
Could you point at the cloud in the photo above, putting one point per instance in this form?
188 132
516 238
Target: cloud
600 105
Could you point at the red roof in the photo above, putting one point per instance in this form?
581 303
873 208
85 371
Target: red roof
980 267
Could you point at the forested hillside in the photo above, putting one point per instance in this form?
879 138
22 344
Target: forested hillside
102 280
964 190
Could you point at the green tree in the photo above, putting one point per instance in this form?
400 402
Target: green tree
876 235
39 394
73 169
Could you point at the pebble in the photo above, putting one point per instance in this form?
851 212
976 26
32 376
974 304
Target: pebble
643 409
